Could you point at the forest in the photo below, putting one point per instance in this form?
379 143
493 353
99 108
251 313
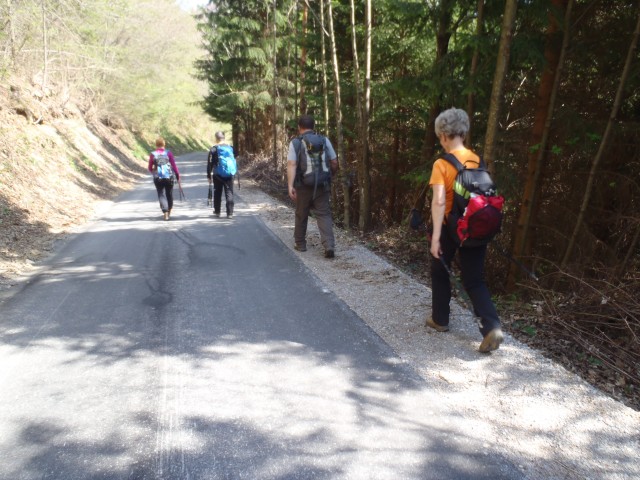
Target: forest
552 90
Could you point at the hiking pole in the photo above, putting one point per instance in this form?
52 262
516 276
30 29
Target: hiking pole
417 223
182 195
237 175
210 196
508 256
458 286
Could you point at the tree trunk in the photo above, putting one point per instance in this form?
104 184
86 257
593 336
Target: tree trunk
362 112
356 75
365 177
472 72
554 54
275 87
443 36
285 94
12 32
506 34
303 59
325 88
442 47
603 143
395 154
344 174
632 248
45 47
296 112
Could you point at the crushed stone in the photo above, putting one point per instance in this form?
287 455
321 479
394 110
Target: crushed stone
545 419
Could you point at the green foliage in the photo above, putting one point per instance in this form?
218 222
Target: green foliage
124 58
86 161
237 69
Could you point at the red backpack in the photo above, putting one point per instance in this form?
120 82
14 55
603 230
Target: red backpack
476 215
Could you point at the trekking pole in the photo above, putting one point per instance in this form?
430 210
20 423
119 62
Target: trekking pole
238 173
461 291
416 223
182 195
210 195
507 255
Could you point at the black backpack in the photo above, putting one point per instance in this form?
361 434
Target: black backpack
476 214
312 168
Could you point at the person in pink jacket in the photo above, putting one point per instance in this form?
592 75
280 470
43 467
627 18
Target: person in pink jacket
163 166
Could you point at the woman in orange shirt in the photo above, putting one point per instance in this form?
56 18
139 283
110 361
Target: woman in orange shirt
451 128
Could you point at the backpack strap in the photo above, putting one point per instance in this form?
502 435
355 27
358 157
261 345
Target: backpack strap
453 160
297 149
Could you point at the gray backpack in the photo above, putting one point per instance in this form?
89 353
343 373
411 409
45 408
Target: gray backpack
162 164
313 165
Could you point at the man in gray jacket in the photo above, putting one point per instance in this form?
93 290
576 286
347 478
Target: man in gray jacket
311 162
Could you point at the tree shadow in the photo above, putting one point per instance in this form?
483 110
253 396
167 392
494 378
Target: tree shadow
237 376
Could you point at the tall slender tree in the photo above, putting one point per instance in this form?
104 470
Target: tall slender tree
274 119
506 35
344 174
365 177
323 62
45 45
555 51
471 96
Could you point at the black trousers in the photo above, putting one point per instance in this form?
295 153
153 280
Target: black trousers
472 266
220 183
164 187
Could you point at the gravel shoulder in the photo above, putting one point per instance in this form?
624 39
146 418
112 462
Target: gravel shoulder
550 422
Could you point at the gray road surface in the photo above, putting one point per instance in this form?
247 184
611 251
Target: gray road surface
201 348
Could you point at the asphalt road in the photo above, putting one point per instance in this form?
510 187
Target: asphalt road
201 348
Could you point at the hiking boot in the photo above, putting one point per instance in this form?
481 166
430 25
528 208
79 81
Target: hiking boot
300 248
491 341
439 328
329 253
166 215
230 216
217 215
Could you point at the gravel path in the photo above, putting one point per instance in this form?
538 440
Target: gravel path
545 419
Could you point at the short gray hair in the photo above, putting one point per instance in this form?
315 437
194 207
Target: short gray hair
453 122
219 135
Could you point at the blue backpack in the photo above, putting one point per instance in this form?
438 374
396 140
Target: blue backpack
162 164
226 161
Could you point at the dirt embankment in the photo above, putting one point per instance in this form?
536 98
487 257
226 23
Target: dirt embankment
56 162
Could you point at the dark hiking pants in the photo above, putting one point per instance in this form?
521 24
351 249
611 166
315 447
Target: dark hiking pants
164 187
472 266
320 206
220 183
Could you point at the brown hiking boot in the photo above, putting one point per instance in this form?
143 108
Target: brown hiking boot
440 328
166 215
491 341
